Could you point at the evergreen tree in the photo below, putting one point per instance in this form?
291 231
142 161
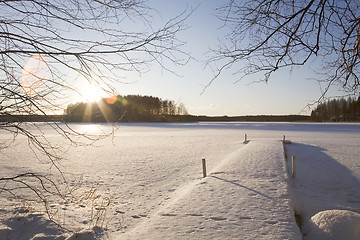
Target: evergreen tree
337 110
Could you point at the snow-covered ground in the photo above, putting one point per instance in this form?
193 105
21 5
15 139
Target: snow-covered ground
327 184
151 175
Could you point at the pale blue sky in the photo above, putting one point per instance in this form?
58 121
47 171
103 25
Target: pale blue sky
286 93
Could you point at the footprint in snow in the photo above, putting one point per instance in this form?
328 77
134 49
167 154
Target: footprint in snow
218 218
271 222
195 215
168 214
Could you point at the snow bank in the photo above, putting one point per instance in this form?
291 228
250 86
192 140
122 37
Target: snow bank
333 225
96 233
38 227
30 226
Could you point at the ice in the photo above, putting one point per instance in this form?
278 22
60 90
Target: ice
151 173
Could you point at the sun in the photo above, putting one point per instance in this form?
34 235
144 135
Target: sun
91 93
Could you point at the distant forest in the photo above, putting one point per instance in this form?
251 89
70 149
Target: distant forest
337 110
130 108
137 108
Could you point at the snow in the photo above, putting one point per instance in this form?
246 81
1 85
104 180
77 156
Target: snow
152 177
333 225
240 198
327 180
30 226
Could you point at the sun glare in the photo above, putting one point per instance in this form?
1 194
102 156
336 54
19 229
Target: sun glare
91 93
90 129
34 75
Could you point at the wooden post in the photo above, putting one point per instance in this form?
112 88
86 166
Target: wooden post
293 167
246 140
286 141
204 167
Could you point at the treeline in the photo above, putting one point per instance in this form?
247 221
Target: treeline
130 108
32 118
163 118
255 118
337 110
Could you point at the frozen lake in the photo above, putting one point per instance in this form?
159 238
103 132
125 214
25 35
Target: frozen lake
148 171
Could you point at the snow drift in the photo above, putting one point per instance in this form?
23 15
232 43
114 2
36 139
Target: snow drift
333 225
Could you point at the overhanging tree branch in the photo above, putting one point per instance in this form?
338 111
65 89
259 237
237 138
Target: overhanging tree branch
45 45
267 35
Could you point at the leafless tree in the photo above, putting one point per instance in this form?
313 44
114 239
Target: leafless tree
46 45
268 35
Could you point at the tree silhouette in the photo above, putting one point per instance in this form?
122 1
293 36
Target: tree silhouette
130 108
47 46
337 110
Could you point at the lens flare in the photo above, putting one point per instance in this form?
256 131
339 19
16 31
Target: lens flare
34 75
112 99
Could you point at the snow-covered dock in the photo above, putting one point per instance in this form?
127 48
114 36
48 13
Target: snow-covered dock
242 198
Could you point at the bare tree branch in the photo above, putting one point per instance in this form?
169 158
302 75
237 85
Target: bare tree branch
267 35
45 45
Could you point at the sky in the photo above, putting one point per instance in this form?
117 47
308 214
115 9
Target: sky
287 92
